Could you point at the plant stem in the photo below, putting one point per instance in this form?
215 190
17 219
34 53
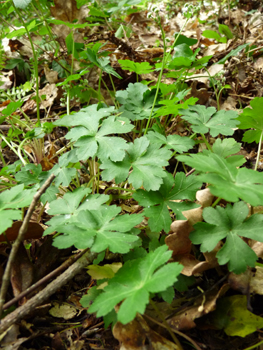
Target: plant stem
259 148
206 142
35 63
13 149
164 61
254 346
175 339
216 202
119 188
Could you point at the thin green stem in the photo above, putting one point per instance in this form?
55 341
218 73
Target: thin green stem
216 202
35 65
254 346
2 159
259 149
164 61
119 188
206 142
99 85
14 150
215 90
175 339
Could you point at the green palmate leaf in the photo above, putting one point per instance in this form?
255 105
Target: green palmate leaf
29 174
134 282
156 203
10 202
224 148
229 223
63 175
138 68
173 106
147 162
252 118
32 174
91 138
225 179
67 208
99 229
137 101
205 120
177 143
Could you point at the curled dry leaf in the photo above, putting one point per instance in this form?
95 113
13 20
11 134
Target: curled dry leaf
204 197
210 260
194 215
202 306
34 231
179 241
181 245
189 262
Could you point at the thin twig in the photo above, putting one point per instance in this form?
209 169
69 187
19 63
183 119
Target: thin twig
45 279
174 330
50 289
20 238
190 172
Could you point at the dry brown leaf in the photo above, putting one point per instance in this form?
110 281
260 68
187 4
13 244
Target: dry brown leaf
194 215
65 10
230 104
202 94
202 306
22 272
34 231
179 241
137 335
257 247
51 75
251 281
204 197
210 261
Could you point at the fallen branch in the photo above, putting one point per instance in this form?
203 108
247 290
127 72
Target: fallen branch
20 238
50 289
45 279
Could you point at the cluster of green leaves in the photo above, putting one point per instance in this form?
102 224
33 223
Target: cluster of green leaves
114 145
87 220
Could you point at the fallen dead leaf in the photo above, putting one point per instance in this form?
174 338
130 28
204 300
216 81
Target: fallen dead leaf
204 197
194 215
251 281
179 241
34 231
64 310
22 273
137 335
202 306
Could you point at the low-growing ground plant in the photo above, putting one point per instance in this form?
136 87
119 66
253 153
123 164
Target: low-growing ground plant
122 154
